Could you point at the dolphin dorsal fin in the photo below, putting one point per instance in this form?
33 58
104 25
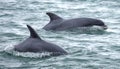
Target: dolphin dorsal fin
53 16
33 33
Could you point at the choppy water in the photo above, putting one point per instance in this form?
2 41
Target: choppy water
87 50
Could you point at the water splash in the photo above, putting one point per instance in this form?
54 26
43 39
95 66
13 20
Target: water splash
9 49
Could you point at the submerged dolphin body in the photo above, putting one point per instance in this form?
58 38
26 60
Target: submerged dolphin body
35 44
58 23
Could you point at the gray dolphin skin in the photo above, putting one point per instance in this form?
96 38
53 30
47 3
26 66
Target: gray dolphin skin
58 23
35 44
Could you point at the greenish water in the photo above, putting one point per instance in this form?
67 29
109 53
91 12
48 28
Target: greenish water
87 50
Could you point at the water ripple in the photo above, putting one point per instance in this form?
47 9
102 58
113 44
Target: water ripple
88 49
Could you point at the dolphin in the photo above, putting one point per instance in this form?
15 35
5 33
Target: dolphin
58 23
35 44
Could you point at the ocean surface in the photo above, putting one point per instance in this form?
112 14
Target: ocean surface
88 49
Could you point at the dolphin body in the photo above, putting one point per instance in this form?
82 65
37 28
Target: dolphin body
35 44
58 23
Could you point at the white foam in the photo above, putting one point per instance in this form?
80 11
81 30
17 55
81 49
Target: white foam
9 49
111 30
